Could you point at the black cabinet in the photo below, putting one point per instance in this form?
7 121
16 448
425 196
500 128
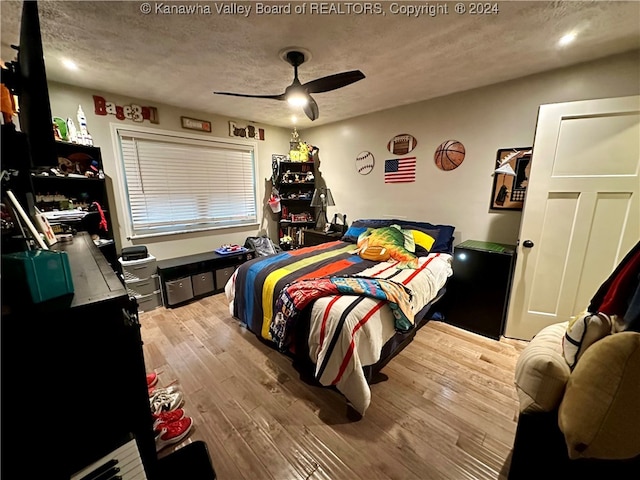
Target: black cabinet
74 385
478 292
316 237
77 200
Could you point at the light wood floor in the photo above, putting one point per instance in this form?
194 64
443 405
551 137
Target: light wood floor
445 408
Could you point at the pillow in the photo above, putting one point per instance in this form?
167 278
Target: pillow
423 241
392 239
444 239
352 234
599 414
377 254
582 332
541 371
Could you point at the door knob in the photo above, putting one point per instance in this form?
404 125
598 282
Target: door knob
527 244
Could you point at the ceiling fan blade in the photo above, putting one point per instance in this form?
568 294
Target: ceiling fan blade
332 82
274 97
311 109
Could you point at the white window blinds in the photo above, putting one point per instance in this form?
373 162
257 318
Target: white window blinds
177 185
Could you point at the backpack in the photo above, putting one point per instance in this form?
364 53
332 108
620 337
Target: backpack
262 246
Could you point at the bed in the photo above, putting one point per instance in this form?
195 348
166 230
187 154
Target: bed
343 306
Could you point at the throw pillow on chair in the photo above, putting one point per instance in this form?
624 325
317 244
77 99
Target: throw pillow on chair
541 371
599 413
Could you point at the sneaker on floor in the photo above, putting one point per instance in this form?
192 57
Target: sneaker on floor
173 432
159 419
170 389
152 379
165 402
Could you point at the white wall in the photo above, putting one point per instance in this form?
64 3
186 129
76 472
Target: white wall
64 101
484 120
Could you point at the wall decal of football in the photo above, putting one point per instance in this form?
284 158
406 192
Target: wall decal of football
402 144
449 155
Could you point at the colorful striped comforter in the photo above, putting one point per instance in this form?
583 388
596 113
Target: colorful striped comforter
346 331
295 297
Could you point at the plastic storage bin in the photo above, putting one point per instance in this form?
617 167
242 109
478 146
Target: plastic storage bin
46 274
138 269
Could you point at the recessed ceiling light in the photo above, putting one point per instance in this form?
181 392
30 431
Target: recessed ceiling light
294 119
567 39
70 64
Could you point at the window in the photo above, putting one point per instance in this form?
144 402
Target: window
178 184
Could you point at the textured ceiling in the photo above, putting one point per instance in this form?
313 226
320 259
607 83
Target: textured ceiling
180 59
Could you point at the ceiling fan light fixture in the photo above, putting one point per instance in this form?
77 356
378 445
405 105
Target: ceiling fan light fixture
299 94
297 99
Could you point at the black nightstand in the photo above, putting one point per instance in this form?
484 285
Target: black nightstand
316 237
478 292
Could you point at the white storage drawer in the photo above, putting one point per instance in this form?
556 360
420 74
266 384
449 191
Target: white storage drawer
149 302
144 286
138 269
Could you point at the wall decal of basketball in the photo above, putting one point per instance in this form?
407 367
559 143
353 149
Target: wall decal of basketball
449 155
402 144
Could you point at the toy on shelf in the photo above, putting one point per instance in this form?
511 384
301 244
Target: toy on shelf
227 249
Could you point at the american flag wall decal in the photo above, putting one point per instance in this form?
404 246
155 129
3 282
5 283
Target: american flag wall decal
400 170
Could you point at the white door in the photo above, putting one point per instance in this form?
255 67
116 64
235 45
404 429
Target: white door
581 214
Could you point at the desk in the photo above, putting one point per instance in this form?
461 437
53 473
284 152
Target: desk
75 382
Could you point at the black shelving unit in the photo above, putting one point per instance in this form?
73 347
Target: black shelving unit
296 193
53 192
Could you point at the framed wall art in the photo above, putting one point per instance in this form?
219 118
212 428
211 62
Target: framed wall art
510 178
195 124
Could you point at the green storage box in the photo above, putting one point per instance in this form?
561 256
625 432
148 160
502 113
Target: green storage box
43 273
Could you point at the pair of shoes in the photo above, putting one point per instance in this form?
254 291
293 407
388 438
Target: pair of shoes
172 432
152 379
165 399
153 388
158 390
160 419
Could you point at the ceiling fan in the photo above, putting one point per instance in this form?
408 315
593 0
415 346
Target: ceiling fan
298 94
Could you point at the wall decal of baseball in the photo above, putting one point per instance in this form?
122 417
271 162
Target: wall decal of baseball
402 144
365 162
449 155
